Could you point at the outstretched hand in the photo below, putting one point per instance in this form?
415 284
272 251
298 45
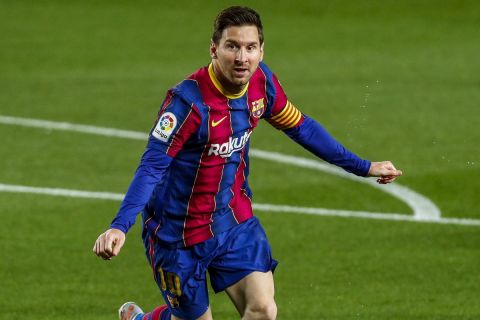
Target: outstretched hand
385 170
109 243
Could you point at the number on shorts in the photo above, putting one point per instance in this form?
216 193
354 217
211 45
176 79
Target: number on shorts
170 281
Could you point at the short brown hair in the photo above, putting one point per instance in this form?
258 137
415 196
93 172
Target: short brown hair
236 16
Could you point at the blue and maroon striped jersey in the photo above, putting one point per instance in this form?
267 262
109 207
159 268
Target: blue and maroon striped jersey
192 182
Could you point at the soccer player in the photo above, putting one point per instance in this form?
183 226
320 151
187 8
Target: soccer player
192 183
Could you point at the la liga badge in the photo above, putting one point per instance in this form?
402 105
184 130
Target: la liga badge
165 126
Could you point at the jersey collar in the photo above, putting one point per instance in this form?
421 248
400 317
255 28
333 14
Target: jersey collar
220 88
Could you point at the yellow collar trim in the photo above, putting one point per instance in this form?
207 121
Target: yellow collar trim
220 88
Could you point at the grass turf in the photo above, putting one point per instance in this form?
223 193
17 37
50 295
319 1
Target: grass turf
391 80
391 270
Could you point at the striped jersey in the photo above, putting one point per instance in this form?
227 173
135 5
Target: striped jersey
192 182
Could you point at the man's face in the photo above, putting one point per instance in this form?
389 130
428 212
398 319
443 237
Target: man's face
236 56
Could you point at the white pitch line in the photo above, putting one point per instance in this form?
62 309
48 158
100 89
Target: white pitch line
258 206
67 126
422 207
61 192
362 214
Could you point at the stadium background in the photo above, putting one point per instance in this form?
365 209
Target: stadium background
392 80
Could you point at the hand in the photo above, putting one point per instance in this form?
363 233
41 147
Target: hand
109 243
385 170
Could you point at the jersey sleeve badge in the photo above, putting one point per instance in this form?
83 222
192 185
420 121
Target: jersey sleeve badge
165 126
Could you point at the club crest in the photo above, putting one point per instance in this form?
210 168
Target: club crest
258 108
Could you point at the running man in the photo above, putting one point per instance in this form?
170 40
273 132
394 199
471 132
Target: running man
192 182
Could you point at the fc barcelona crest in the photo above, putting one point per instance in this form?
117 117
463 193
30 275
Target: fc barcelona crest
258 108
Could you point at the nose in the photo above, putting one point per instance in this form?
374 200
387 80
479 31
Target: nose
241 55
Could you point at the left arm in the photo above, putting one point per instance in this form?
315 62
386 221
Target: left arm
283 115
313 137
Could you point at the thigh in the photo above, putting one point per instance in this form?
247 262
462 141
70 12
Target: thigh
181 279
255 289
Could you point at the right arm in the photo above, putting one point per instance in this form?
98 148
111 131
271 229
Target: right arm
176 122
150 172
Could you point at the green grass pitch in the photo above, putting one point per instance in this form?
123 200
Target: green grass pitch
394 80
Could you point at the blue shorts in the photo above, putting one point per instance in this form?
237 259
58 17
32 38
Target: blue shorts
180 273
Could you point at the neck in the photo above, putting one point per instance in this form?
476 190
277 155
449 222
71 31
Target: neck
223 85
226 85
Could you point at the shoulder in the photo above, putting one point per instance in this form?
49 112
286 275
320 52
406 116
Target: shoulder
178 105
263 68
264 75
186 91
180 99
265 79
189 89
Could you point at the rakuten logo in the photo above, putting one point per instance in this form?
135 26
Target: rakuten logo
226 149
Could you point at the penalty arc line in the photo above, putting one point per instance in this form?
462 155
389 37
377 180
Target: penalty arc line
259 206
421 206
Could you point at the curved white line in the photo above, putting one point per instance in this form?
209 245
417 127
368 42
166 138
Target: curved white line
258 206
421 206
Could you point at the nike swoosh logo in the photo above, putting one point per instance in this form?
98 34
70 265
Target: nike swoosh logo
216 123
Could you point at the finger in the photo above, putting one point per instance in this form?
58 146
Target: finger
97 247
393 173
102 254
105 245
98 252
389 177
386 179
109 243
105 256
389 169
101 244
386 165
118 245
389 180
383 181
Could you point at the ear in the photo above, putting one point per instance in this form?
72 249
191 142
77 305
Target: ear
261 51
213 50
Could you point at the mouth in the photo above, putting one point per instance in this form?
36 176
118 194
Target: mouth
240 72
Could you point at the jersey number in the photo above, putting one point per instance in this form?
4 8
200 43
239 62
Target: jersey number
170 281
